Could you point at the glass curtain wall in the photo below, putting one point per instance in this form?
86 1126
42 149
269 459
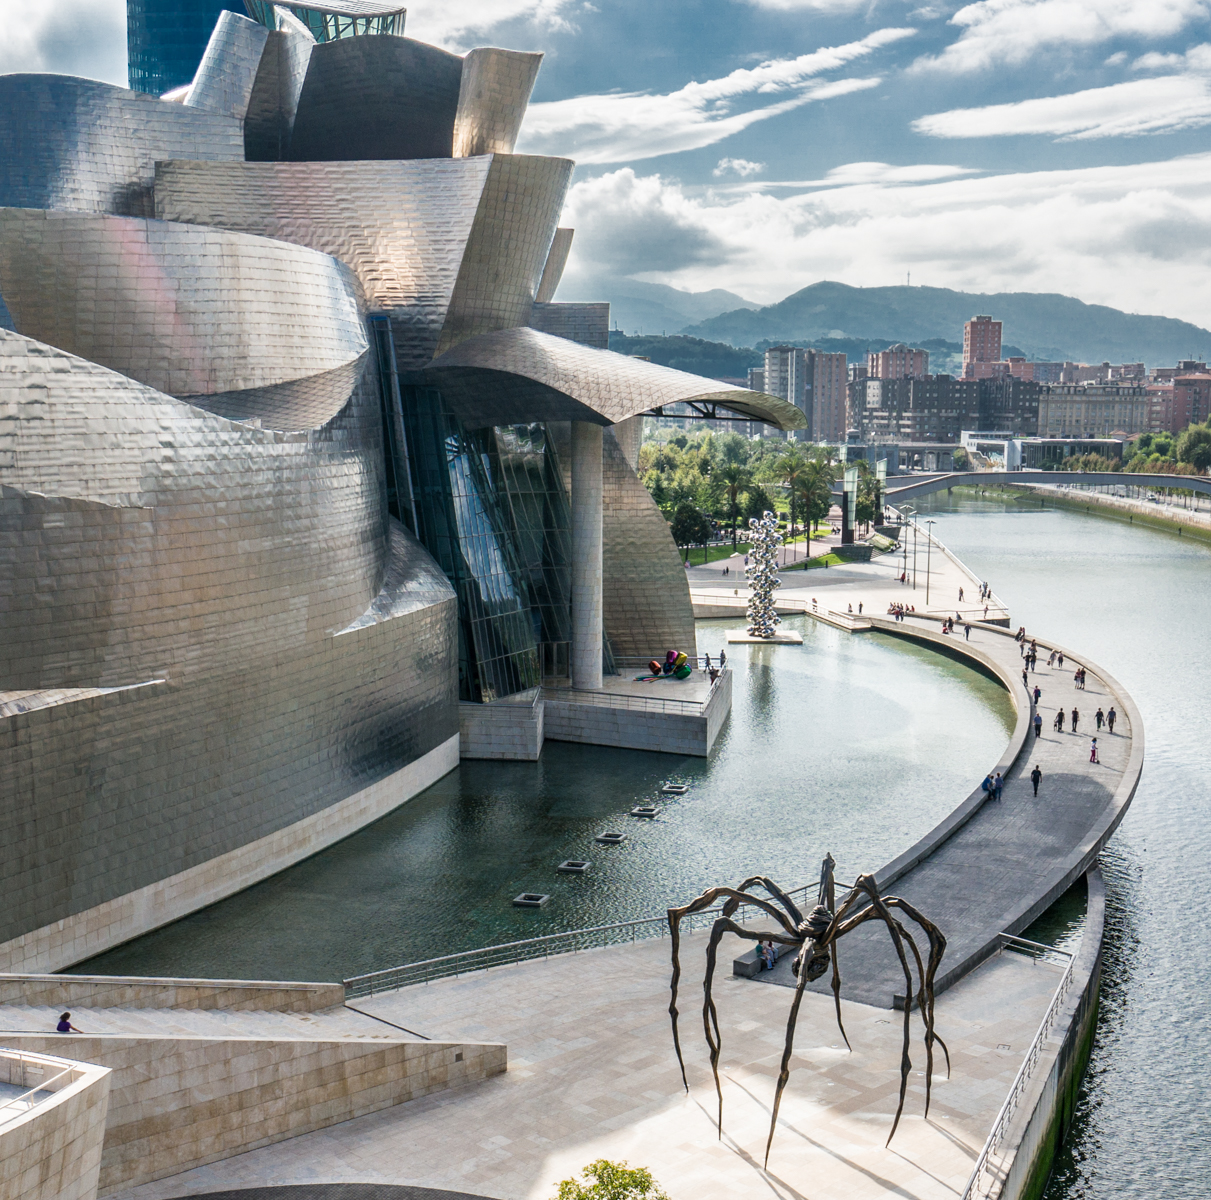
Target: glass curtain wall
329 26
466 525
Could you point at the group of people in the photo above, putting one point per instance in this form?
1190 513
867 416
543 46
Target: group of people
985 592
993 785
1078 678
948 626
899 611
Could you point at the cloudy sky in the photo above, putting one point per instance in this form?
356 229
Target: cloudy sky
762 145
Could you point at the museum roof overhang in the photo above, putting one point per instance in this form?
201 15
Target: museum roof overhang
519 375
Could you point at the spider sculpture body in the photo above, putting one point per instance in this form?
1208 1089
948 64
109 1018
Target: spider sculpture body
816 936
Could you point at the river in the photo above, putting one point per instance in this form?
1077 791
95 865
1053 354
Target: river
1133 600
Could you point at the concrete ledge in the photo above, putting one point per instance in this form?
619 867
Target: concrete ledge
116 991
80 936
511 729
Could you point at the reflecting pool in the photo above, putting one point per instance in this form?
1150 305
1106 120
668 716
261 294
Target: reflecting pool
854 745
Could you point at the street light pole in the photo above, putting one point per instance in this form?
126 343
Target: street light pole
928 557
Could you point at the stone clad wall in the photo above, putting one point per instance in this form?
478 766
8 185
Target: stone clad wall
178 1102
53 1152
115 991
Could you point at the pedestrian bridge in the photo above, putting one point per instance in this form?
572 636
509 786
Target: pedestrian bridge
915 486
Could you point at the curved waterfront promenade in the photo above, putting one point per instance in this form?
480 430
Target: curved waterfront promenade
989 867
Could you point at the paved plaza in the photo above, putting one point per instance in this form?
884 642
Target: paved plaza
592 1074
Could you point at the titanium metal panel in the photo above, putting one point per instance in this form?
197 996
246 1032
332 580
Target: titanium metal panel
274 102
517 375
77 144
308 646
492 99
557 259
508 247
229 67
187 310
376 98
401 226
586 323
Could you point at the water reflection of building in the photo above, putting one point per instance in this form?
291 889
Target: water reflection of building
301 453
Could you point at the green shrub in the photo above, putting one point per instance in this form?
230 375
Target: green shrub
612 1181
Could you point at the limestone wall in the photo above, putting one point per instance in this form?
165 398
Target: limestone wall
53 1152
114 991
177 1103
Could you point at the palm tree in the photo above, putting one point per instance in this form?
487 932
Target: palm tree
790 470
735 479
816 491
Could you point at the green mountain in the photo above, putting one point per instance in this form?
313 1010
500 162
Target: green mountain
641 308
1046 326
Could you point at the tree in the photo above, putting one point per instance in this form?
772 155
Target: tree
1194 447
816 492
962 460
612 1181
735 479
790 470
691 526
757 501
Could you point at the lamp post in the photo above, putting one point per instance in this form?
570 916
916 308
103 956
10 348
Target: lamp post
928 557
909 512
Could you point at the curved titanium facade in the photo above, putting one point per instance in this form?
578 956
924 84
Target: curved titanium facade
228 69
187 310
88 146
376 98
401 226
306 647
275 484
492 98
497 378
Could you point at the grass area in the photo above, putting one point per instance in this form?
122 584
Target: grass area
823 560
700 556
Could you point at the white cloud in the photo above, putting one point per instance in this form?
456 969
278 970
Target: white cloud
67 37
1197 58
459 27
1017 31
623 126
737 166
1120 235
1162 105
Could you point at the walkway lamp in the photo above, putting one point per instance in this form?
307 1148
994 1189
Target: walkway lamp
928 557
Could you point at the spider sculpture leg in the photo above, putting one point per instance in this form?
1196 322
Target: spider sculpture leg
710 1014
877 908
697 905
925 996
784 1072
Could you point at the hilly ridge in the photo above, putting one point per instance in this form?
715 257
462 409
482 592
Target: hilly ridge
1046 326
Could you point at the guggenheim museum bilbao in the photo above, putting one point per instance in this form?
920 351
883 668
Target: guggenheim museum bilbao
297 456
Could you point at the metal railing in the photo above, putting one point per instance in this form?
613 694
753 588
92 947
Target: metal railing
21 1104
612 699
985 1176
596 937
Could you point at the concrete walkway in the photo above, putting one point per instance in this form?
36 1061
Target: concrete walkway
592 1074
993 867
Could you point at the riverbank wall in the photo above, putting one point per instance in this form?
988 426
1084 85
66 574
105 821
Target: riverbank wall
1045 1112
1163 517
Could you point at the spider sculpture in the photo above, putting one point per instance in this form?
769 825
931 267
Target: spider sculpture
816 937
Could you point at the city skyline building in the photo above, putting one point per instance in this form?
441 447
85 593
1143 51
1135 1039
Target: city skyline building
981 347
898 362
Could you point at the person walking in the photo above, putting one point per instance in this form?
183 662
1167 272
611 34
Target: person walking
1038 691
1110 719
1059 662
985 612
1100 718
1035 776
1038 725
997 784
1076 716
1025 679
966 632
65 1025
1059 721
960 595
1093 751
1051 659
859 608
